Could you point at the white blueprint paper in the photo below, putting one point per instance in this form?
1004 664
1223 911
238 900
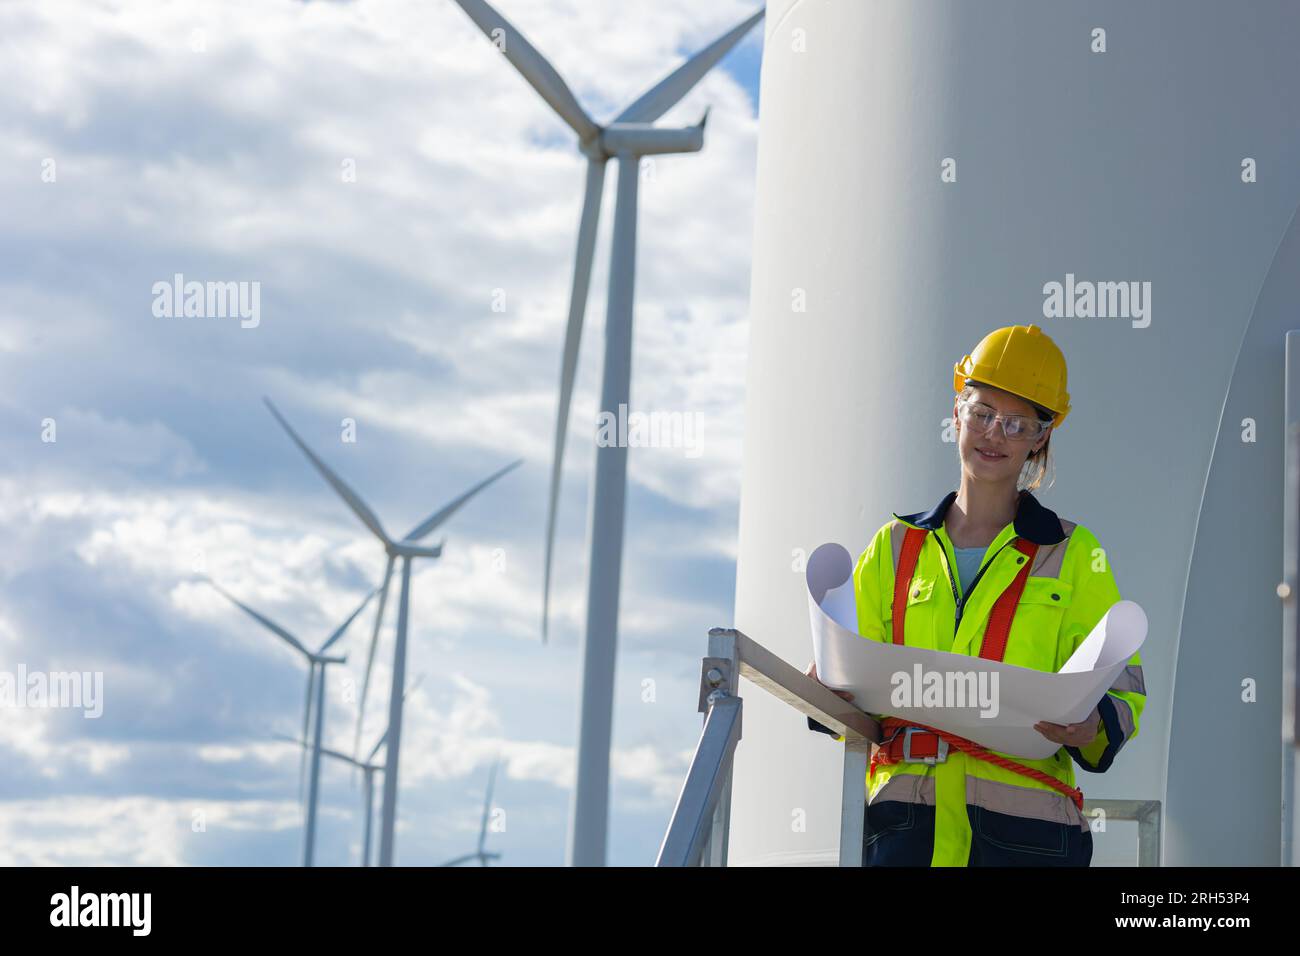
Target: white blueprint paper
847 661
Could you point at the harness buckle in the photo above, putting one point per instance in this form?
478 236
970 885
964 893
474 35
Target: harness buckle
942 747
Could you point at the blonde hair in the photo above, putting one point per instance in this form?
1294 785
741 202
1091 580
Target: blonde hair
1036 465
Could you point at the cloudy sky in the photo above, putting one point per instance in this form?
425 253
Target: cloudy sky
408 207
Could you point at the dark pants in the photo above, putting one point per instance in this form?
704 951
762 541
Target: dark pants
898 833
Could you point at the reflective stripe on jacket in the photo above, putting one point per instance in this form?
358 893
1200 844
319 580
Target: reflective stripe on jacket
1070 587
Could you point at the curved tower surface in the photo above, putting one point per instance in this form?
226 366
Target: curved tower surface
926 171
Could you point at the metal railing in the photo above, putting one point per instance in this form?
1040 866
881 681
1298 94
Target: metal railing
1146 813
697 832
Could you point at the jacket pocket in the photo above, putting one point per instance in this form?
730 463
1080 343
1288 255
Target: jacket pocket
922 590
922 621
1049 592
1036 628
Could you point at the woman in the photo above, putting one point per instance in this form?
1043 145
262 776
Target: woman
989 572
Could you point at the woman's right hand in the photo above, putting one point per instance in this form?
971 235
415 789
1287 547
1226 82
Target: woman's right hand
812 672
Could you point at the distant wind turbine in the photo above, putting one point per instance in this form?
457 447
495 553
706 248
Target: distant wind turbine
317 663
480 854
629 137
368 767
406 549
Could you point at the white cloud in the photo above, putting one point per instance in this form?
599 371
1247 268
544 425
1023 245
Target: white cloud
124 831
225 162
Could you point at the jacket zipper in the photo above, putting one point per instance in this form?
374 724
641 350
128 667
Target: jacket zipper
960 600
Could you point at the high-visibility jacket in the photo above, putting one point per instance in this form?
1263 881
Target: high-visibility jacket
979 812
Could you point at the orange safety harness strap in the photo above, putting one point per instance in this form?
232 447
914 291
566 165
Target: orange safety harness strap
891 751
993 647
998 628
903 576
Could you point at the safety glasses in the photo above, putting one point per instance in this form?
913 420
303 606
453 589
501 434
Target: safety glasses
980 417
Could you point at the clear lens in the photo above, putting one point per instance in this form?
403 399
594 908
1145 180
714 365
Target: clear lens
1016 427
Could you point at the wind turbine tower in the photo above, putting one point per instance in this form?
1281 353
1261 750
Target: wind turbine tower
630 136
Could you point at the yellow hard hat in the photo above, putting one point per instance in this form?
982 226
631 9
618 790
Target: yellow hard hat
1022 360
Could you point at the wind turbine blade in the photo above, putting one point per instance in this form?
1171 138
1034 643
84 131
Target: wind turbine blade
326 751
350 497
532 65
378 744
569 363
339 755
370 653
660 98
459 860
344 626
438 517
487 805
266 622
384 736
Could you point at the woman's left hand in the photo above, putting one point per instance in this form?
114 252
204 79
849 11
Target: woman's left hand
1072 735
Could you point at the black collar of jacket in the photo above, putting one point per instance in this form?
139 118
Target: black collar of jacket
1033 522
